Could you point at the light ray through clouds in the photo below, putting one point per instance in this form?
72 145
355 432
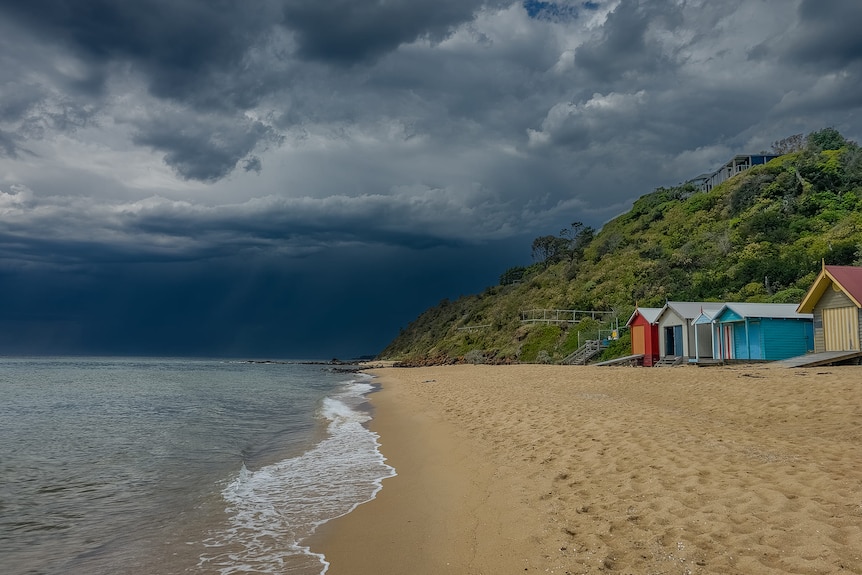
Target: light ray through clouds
209 150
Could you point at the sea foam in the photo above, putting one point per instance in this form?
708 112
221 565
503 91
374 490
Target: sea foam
272 510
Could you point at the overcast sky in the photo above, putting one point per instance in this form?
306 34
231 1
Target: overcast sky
300 178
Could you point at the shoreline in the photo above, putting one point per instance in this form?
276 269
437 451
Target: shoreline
412 515
564 469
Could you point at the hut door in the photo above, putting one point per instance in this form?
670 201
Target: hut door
841 328
727 341
668 341
638 342
754 351
673 340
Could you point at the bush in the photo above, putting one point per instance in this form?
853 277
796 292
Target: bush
789 295
539 338
618 348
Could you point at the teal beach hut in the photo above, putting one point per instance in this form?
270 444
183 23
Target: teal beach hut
761 332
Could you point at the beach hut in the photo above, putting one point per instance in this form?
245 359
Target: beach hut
680 336
703 323
644 332
835 300
761 332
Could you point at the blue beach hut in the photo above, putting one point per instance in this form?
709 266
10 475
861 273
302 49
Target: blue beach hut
762 331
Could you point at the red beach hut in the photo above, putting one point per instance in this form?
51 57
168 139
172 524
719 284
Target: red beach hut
644 329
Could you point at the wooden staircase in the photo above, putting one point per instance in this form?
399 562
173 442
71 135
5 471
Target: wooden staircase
585 353
668 361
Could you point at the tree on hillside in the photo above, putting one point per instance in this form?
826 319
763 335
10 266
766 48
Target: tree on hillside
549 249
825 139
794 143
512 275
578 236
583 238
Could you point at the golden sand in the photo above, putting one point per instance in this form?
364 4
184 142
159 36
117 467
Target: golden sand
564 469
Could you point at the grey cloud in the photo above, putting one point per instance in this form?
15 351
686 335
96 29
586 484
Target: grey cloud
19 115
252 164
31 114
223 58
481 91
204 147
41 92
82 229
350 31
161 35
193 54
8 145
18 99
185 47
829 34
419 220
623 46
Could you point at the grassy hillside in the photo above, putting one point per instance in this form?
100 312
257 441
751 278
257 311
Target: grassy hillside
760 236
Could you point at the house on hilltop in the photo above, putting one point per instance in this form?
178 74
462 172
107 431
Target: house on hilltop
735 165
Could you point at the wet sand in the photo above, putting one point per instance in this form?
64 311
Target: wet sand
565 469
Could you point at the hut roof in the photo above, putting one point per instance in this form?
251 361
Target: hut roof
691 309
763 310
847 278
648 313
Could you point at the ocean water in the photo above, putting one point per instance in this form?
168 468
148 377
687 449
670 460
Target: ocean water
175 466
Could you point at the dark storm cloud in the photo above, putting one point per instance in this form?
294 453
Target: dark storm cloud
252 164
197 36
31 112
350 31
205 147
7 145
829 34
254 307
216 55
80 231
165 37
222 57
622 46
191 53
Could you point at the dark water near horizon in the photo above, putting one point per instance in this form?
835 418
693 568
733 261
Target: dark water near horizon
169 466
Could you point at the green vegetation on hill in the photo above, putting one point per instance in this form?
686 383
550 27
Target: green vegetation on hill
760 236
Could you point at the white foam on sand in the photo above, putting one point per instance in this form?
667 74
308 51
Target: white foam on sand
272 510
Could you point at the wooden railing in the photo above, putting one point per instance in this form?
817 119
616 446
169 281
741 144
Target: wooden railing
549 316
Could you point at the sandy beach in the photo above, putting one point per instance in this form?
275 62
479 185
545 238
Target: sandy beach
564 469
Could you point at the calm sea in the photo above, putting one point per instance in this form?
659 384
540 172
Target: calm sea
170 466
